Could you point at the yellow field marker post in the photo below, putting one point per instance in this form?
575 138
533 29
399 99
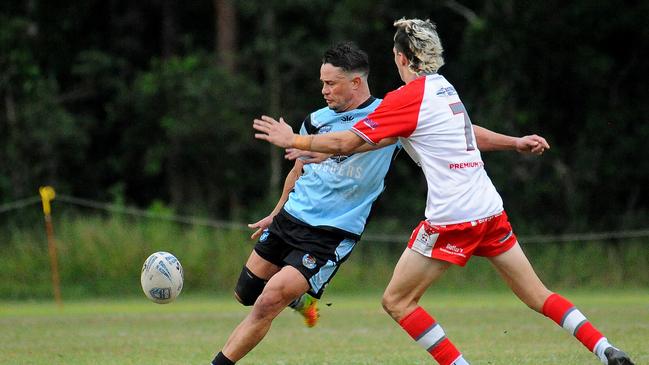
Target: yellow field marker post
48 194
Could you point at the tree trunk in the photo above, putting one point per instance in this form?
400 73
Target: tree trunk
174 170
274 90
226 33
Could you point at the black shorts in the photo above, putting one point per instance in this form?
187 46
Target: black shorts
315 252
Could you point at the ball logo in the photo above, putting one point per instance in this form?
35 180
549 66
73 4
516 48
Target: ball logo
160 293
308 261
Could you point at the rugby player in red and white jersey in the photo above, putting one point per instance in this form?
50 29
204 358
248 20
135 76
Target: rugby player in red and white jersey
464 212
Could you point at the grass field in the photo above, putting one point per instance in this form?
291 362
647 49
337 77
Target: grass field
489 328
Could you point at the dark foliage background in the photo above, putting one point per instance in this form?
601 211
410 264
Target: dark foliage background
152 101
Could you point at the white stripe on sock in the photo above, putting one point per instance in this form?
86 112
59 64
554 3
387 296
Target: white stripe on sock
599 348
460 361
573 320
430 338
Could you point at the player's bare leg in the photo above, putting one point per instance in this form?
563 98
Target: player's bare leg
518 273
261 267
281 289
305 305
403 292
413 274
253 278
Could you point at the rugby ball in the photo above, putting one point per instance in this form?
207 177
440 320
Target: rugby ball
162 277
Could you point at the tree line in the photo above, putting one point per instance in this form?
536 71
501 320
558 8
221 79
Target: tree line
152 101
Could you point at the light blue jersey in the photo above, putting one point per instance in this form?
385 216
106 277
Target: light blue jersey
338 193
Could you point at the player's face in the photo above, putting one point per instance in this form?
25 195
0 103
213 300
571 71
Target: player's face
337 87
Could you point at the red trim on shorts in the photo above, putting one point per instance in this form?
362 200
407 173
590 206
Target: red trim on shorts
456 243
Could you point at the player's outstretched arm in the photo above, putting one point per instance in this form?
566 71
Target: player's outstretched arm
306 156
289 183
281 134
491 141
532 144
316 157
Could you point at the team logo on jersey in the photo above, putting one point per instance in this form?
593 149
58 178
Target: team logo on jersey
424 239
446 91
308 261
347 118
263 236
324 129
370 123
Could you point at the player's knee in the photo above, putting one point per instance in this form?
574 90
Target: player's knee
249 287
397 307
269 304
390 304
269 299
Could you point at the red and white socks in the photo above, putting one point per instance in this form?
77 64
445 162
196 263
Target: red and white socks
566 315
430 335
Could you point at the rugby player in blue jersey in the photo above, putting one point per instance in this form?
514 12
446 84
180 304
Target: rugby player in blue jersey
323 209
464 214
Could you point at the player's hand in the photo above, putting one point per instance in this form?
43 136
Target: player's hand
305 156
533 144
261 225
278 133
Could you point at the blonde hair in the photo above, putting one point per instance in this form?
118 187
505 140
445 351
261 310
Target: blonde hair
419 41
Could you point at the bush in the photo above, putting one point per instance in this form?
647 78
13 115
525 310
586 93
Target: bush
102 256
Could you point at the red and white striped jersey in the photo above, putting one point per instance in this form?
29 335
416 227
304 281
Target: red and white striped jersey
435 130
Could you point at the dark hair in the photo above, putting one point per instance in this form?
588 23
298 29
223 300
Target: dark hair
402 44
347 56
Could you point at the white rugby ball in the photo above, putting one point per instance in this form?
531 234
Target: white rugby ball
162 277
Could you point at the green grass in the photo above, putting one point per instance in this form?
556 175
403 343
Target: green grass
489 328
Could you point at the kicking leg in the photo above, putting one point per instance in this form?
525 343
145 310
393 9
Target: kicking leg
307 306
281 289
518 273
253 278
413 274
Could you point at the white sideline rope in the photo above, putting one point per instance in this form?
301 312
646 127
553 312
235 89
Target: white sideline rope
19 204
146 214
386 238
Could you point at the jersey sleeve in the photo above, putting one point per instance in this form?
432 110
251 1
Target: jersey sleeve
396 116
307 126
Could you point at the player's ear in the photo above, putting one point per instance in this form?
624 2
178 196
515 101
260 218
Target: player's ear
403 60
356 82
398 56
